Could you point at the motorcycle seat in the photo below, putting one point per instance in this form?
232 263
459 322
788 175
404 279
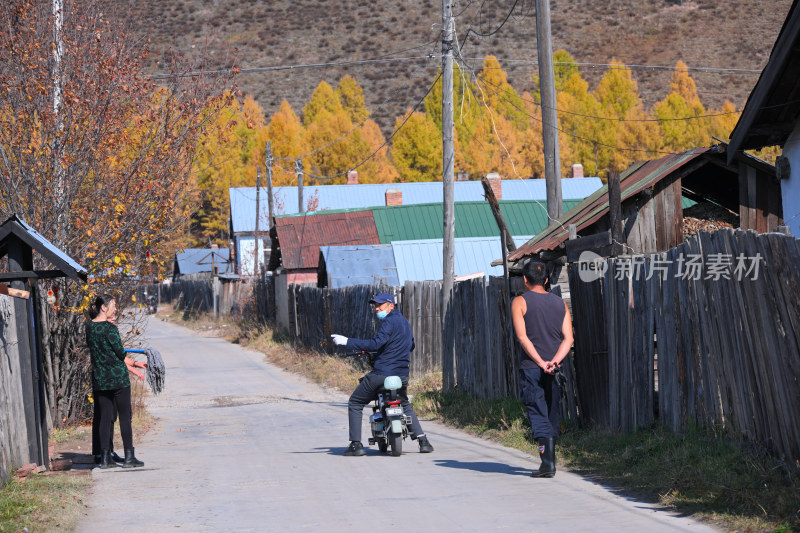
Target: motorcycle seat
392 383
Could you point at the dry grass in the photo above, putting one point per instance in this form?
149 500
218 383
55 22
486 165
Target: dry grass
43 502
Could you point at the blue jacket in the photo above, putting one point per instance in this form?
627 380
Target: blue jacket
393 343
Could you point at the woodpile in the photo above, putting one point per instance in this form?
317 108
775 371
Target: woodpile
708 217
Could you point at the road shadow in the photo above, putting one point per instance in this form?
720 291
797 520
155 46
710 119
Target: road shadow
339 450
484 466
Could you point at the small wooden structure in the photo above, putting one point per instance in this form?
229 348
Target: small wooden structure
652 195
17 242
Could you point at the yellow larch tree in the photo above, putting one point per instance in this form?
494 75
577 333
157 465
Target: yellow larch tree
288 138
417 148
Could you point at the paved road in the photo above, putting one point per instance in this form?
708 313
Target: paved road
243 446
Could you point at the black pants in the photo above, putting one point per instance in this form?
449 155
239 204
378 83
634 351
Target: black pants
366 392
541 397
96 447
109 400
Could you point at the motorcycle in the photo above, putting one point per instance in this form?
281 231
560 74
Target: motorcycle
152 305
388 423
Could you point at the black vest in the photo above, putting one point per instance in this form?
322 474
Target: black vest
544 318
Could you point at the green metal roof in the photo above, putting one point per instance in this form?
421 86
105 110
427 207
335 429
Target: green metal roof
473 219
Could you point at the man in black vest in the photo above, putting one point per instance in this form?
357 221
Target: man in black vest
544 330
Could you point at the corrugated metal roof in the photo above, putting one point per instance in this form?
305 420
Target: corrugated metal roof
473 219
197 260
300 237
332 197
358 265
636 178
421 260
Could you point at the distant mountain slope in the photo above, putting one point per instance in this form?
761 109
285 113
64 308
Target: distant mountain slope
703 33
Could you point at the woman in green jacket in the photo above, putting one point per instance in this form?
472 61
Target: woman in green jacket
110 381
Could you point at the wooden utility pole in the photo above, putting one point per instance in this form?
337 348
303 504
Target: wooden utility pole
615 213
508 240
448 155
268 168
298 169
547 89
258 217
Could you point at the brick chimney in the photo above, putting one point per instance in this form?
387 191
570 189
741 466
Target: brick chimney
577 170
496 184
352 177
394 197
462 176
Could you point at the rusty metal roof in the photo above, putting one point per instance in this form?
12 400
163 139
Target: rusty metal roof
301 236
635 179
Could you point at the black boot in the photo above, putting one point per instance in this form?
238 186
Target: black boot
547 453
424 445
130 460
356 449
116 458
105 459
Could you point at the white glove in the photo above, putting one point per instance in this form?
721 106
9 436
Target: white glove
341 340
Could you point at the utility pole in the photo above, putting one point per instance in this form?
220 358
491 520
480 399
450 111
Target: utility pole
60 189
268 168
547 89
258 217
448 155
298 169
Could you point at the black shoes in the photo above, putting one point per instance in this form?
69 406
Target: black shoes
424 445
356 449
106 461
130 460
547 453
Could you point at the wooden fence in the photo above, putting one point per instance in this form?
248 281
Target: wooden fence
721 316
487 354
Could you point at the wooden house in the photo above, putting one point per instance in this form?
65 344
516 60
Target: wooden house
772 116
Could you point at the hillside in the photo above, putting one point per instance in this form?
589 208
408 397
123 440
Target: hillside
735 34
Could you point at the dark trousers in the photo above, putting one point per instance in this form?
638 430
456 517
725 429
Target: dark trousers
109 400
366 392
96 447
541 397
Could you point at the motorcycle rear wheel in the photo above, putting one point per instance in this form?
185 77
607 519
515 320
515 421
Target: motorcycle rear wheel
396 442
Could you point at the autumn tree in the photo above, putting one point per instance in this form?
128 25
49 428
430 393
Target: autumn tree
288 137
96 157
417 148
351 96
231 149
681 113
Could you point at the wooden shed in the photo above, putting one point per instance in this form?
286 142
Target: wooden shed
653 197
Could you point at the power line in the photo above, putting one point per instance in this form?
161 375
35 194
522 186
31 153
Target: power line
489 34
275 68
617 119
619 66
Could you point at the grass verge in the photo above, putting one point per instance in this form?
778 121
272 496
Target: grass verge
41 502
699 473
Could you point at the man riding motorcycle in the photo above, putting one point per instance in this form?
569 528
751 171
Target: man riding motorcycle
393 344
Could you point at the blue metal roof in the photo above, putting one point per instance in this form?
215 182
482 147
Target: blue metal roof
243 199
197 260
422 260
359 264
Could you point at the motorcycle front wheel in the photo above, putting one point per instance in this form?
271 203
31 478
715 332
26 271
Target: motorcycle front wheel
396 442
